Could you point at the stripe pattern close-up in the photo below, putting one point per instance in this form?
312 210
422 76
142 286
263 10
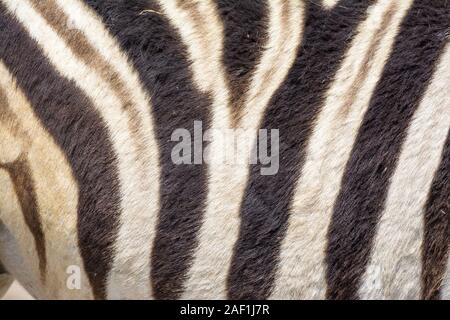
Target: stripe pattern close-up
353 94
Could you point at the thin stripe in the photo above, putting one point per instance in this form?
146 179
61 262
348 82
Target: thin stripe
302 270
227 180
395 264
31 138
292 110
377 148
246 34
161 61
20 174
205 46
120 122
136 226
78 129
435 248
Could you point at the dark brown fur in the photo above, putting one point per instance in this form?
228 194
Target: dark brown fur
71 119
377 147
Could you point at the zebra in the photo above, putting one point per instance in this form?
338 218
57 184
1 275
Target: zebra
92 205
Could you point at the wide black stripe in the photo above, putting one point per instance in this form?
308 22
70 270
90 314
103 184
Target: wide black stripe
77 128
245 26
376 150
293 109
436 243
160 58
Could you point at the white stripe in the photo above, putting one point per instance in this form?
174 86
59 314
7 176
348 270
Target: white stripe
109 107
58 215
227 181
395 267
301 272
329 4
136 234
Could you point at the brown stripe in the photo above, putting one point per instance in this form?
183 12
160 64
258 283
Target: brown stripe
81 47
157 52
363 72
436 244
71 119
2 269
246 32
292 111
376 150
20 174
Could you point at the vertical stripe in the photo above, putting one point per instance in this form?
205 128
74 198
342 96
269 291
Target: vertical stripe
205 46
435 245
161 60
302 269
102 53
227 180
78 129
292 111
20 174
376 151
246 34
395 264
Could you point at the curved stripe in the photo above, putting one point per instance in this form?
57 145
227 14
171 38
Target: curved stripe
436 242
396 256
119 118
41 153
161 60
205 46
78 129
20 174
302 269
102 53
227 180
376 151
292 110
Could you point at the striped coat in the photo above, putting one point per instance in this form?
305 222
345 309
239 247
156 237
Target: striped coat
91 92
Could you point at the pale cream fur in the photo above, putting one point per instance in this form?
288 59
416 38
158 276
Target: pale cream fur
226 184
394 271
58 214
131 270
330 4
301 271
445 291
5 282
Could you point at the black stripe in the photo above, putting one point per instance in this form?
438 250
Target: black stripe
376 150
70 118
436 243
293 109
245 28
156 51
